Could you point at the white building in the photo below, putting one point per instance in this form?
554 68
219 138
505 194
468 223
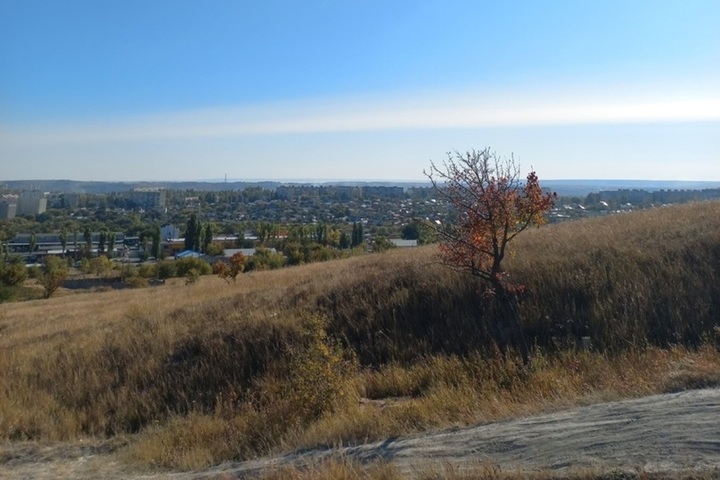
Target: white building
32 203
169 231
8 206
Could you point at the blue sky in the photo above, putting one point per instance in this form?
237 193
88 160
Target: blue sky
367 90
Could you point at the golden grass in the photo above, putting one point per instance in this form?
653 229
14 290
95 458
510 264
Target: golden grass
205 373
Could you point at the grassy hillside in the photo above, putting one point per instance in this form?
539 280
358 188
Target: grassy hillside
211 371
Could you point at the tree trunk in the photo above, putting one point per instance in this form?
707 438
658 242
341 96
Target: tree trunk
509 331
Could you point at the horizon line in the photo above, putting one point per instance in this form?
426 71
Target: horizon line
345 180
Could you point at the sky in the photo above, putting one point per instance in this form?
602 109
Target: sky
357 90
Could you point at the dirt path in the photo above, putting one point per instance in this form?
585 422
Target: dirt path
663 433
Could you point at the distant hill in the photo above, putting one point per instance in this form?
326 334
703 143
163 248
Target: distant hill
563 187
76 186
583 187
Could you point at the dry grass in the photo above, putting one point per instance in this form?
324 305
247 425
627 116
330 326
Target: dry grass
205 373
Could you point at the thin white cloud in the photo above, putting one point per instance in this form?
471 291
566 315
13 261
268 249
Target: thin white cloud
430 112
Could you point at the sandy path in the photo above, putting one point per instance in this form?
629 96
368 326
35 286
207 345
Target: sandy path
664 433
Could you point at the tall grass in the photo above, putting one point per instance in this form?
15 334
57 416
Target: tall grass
648 278
208 372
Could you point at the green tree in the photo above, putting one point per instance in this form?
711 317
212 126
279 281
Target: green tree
321 231
63 239
53 274
191 233
75 244
111 244
358 236
411 231
86 266
87 237
265 231
101 242
33 242
102 265
156 243
344 241
419 230
199 236
207 237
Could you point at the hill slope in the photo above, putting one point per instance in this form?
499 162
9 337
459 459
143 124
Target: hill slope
368 347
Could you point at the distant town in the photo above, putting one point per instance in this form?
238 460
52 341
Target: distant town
137 222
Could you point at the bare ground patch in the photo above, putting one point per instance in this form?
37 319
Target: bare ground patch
660 434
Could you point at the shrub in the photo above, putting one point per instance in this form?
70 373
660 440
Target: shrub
167 269
54 272
7 294
192 276
33 272
14 273
319 368
136 282
184 265
149 270
265 259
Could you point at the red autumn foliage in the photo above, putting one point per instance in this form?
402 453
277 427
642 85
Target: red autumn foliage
493 205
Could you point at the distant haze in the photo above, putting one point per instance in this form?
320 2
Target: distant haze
562 187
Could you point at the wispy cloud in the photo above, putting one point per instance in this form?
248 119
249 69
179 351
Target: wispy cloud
343 115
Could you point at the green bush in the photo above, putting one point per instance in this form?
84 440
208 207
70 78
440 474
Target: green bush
185 265
14 273
265 259
54 272
149 270
136 282
33 272
192 276
7 294
167 269
318 371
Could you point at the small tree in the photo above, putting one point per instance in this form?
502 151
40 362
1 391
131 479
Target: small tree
101 265
207 238
87 237
192 276
111 244
101 242
63 240
155 249
75 244
53 274
33 242
493 205
358 236
191 233
344 241
230 271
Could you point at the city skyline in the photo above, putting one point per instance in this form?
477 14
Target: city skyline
179 91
